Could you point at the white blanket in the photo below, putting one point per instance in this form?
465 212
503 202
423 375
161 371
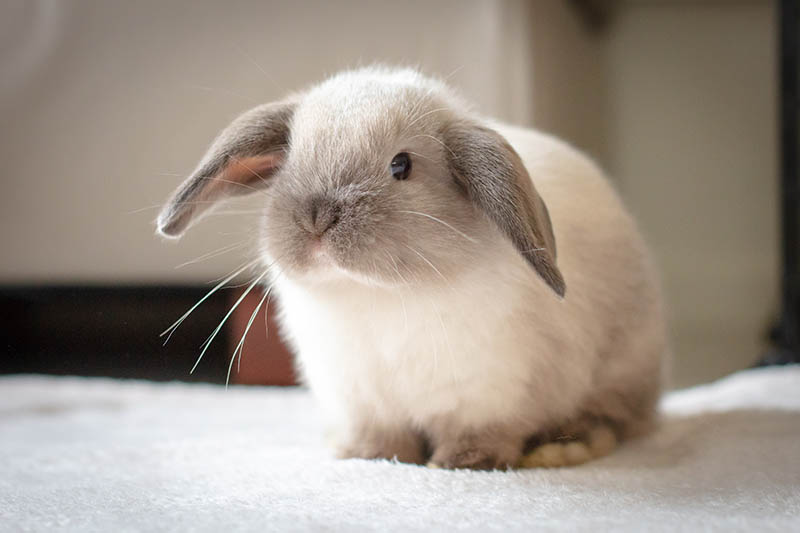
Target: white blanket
102 455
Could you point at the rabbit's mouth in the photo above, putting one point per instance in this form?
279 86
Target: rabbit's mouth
332 238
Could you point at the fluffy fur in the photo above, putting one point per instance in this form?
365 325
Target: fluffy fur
499 298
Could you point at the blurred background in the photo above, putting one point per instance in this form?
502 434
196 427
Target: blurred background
106 105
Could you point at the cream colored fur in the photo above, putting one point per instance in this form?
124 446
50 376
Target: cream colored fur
492 344
475 353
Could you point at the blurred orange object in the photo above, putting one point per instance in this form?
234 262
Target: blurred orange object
265 358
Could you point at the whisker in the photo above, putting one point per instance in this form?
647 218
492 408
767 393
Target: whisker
422 156
440 221
453 73
215 280
236 213
170 330
429 263
437 140
258 66
266 311
215 253
210 339
249 231
417 107
161 206
223 180
238 285
240 346
256 174
423 115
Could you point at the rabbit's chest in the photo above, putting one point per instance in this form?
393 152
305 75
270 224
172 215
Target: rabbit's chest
409 355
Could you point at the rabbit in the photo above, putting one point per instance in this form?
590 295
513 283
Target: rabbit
457 291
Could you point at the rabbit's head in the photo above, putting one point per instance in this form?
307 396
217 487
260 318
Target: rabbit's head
382 176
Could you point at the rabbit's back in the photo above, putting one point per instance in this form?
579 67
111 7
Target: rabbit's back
613 300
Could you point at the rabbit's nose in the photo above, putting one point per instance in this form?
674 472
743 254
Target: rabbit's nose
322 213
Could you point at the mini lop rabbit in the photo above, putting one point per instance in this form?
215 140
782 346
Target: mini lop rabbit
456 291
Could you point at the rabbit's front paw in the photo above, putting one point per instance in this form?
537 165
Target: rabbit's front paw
477 452
403 446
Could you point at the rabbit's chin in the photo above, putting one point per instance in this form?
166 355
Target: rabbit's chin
333 274
320 267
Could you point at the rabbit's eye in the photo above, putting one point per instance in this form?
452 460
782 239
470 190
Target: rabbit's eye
401 166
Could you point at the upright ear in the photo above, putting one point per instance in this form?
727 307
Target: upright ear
496 181
241 160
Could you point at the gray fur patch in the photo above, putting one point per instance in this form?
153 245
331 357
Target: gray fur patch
497 182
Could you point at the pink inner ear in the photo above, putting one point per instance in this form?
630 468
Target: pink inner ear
253 171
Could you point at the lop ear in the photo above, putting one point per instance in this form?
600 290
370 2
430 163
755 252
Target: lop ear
494 178
241 160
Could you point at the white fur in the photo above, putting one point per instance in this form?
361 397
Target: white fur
492 344
481 353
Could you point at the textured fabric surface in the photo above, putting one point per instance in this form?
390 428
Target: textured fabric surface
102 455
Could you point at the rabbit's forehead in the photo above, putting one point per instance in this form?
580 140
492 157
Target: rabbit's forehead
350 114
362 127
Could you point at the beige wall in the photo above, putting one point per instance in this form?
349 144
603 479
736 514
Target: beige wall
105 104
692 138
116 97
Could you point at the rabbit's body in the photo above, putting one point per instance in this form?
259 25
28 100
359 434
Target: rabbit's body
491 345
422 293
